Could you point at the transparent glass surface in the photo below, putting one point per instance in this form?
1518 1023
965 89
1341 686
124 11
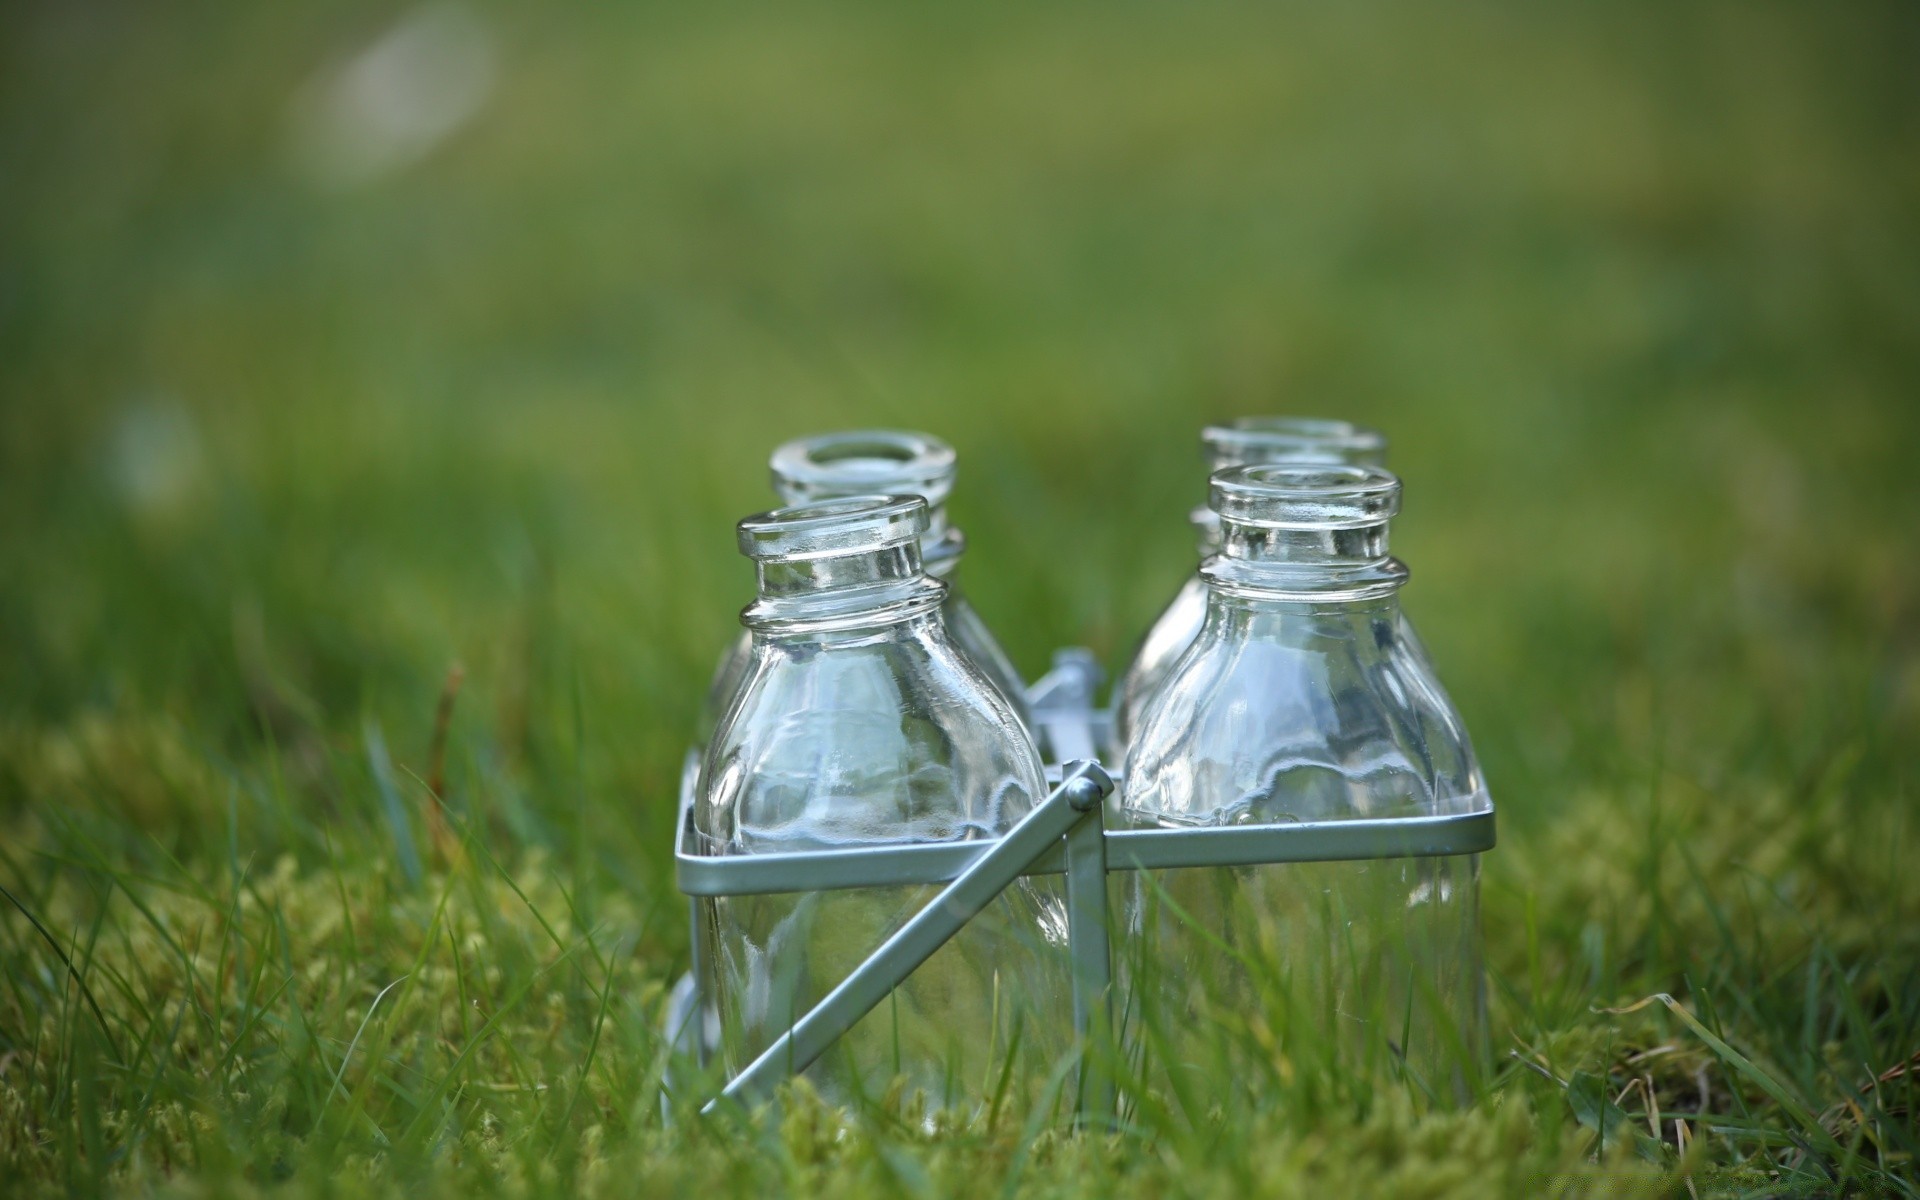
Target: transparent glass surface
964 626
1302 700
977 642
1247 441
1167 638
884 462
858 722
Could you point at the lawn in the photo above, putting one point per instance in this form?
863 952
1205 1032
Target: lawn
378 388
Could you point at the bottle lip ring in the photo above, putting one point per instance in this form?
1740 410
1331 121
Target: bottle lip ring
834 528
1298 583
1279 439
863 462
1305 495
870 607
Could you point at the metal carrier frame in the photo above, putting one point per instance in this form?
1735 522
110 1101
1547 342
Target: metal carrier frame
1065 833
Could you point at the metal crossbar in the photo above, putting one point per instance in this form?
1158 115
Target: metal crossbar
1065 833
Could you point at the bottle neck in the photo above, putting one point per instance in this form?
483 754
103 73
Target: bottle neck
1269 564
1265 612
1297 545
796 578
937 526
1304 547
1206 530
841 592
941 545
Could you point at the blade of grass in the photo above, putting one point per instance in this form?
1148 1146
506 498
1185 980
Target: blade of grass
98 1016
348 1056
1788 1102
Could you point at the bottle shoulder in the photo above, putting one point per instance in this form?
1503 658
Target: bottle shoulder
1316 721
858 740
1175 629
970 635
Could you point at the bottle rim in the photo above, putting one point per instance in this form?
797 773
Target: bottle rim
1274 439
863 462
833 528
1298 495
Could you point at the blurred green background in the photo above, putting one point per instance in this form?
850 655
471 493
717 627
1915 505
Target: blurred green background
343 343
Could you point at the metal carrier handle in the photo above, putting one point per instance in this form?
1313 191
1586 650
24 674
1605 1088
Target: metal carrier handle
1064 833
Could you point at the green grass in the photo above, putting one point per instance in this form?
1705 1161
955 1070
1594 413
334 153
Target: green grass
1635 290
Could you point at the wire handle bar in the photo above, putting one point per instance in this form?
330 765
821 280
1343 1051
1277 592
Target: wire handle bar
1069 806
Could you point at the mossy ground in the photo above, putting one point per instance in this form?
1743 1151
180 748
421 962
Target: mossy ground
1635 290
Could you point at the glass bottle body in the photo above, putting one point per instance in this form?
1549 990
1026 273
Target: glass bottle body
1167 638
857 722
970 633
1302 700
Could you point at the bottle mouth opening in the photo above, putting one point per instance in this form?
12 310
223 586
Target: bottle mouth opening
834 528
861 462
1305 495
1279 439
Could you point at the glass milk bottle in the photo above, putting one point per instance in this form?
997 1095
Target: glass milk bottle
1246 441
1301 700
891 462
859 722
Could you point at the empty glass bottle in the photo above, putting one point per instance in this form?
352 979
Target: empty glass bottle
1246 441
1302 701
858 722
883 462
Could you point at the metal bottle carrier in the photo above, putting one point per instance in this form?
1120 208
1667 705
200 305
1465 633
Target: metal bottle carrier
1065 833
